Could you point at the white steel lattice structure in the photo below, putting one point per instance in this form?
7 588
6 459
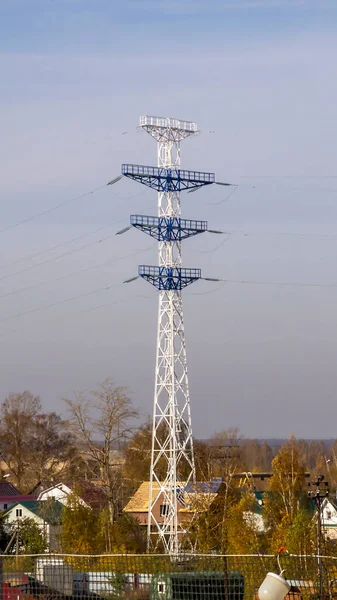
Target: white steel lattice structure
172 442
172 460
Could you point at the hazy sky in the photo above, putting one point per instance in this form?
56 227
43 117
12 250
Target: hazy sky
259 78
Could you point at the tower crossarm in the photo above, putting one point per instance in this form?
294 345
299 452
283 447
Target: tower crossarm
166 179
168 229
169 278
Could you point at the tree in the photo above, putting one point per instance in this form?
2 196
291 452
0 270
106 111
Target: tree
81 529
300 537
17 414
129 535
283 501
137 454
99 424
33 444
27 537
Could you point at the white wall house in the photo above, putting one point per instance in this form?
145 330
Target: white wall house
48 520
329 519
60 492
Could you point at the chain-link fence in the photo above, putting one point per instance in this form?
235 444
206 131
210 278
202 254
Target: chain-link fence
158 577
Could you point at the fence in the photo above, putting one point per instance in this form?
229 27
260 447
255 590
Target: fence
159 577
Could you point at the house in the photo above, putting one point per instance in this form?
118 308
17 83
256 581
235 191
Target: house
46 515
10 495
88 494
329 519
191 499
60 492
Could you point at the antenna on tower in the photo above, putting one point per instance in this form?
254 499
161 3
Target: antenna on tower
172 458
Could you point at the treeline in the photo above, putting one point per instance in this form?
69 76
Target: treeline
100 441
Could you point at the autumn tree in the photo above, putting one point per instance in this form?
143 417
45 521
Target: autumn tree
51 448
286 491
17 414
33 444
99 424
26 537
81 531
137 454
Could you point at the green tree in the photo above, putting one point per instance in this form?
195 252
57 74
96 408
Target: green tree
300 537
31 537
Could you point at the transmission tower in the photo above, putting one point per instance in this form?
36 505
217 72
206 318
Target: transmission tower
172 460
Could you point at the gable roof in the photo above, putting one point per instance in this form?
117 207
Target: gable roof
197 496
93 495
139 502
50 512
8 489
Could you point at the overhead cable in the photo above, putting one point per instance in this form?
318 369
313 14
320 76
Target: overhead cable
74 273
47 306
49 210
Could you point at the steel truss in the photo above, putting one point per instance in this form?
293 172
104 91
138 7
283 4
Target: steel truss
167 180
172 458
168 229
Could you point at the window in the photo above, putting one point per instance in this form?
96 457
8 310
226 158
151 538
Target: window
161 587
19 512
164 510
5 506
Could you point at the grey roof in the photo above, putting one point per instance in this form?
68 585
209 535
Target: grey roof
7 489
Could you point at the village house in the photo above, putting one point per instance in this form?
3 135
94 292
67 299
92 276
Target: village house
191 499
46 515
10 495
87 493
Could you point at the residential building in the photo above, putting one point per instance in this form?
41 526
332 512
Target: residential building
10 495
88 494
46 515
191 499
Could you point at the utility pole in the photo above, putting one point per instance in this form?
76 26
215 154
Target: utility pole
318 494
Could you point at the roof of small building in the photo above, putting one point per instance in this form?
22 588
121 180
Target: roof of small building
50 512
190 496
8 489
139 502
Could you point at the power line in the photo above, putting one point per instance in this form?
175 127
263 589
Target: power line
288 176
76 238
31 267
74 273
282 234
279 283
47 306
51 209
56 246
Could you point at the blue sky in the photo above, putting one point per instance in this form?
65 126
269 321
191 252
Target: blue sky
259 77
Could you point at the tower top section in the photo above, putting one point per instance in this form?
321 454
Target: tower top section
168 123
167 128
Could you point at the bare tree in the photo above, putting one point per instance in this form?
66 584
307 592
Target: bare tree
33 444
100 424
18 412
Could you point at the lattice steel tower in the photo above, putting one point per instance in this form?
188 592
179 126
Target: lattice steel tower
172 461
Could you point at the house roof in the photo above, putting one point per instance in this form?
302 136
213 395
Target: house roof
50 512
139 502
16 498
8 489
195 496
93 495
205 487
